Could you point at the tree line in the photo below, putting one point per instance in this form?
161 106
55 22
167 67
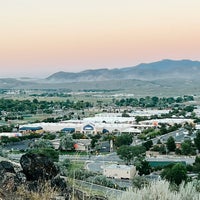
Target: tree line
153 101
28 106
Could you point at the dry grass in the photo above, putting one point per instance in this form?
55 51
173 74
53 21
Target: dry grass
45 192
160 190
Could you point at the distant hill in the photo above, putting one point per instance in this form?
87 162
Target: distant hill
12 83
162 78
150 71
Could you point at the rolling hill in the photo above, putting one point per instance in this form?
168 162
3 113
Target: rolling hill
152 71
162 78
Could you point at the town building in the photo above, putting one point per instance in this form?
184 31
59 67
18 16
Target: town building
119 171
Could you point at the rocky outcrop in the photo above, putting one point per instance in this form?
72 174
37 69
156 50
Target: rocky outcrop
9 179
36 171
38 166
6 166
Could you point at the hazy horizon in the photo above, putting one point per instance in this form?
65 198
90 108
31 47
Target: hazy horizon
39 38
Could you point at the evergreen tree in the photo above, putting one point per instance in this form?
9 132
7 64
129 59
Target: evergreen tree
197 140
175 174
171 146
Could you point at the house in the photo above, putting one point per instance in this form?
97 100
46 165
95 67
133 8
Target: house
119 171
82 144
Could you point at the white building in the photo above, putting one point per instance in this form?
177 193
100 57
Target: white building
119 171
170 121
10 134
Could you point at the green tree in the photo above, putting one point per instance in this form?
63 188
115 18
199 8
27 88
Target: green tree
148 144
189 108
144 168
66 143
171 146
49 136
197 140
187 148
196 165
175 174
189 127
128 153
125 139
41 143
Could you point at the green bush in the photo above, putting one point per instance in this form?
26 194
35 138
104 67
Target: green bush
49 152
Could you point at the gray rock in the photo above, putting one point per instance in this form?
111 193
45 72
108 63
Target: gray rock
6 166
38 167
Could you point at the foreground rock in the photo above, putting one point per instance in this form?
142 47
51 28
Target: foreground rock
38 167
38 176
9 179
37 171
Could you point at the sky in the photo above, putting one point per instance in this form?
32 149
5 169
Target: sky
41 37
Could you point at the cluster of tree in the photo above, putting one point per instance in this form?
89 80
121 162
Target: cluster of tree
52 94
124 139
7 140
175 173
66 143
129 153
152 101
179 111
41 143
187 147
148 144
49 136
95 139
6 128
161 148
45 147
28 106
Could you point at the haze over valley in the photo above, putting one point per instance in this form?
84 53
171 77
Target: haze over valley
165 77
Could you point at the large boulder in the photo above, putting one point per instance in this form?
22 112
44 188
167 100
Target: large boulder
38 174
38 167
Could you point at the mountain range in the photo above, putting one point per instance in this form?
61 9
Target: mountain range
152 71
165 77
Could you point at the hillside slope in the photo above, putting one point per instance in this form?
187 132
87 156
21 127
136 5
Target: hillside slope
152 71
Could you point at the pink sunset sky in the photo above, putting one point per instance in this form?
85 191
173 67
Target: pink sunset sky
41 37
